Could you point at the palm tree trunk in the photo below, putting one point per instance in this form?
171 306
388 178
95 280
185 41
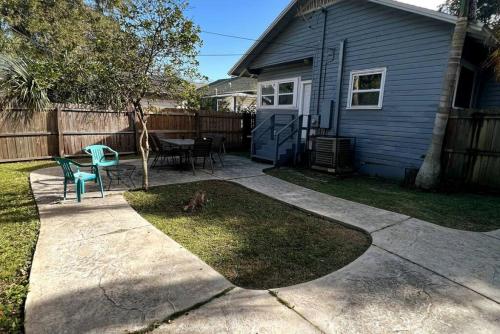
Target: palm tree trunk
430 171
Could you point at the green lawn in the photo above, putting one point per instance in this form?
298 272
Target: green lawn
462 211
253 240
18 233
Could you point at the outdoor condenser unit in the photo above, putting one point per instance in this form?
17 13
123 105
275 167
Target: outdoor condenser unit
333 154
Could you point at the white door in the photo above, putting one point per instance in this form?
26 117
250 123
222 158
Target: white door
305 103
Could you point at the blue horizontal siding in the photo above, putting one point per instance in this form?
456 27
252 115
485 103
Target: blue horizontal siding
490 93
413 48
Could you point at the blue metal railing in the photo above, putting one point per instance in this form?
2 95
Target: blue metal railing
255 136
296 126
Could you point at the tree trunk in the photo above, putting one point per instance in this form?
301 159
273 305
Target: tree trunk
429 174
143 144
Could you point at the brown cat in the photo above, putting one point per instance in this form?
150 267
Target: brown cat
197 202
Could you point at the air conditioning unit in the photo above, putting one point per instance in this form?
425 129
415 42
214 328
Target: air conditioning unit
333 154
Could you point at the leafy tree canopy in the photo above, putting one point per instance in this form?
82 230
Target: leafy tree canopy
487 11
107 53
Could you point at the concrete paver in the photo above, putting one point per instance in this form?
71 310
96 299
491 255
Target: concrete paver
382 293
471 259
494 234
354 214
241 311
99 267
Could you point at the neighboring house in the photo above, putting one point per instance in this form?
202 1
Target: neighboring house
371 69
160 102
233 94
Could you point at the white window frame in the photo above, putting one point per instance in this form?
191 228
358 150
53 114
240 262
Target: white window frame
275 84
470 67
382 71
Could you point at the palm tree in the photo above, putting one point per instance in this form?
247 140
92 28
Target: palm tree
19 87
430 171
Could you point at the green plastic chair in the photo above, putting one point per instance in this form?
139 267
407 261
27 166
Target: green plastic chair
99 157
77 177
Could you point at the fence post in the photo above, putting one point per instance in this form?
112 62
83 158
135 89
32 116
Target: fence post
197 122
59 131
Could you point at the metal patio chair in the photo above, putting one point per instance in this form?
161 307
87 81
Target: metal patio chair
202 148
163 151
219 148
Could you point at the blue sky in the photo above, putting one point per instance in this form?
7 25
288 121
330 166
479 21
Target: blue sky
246 18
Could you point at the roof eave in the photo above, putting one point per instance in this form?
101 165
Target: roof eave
477 30
232 71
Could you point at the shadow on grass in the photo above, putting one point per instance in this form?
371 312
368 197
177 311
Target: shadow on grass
255 241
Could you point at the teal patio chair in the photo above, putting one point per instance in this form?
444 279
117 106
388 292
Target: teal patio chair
99 157
77 177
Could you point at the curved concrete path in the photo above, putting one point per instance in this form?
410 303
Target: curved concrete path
99 267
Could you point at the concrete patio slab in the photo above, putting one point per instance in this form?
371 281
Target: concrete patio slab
468 258
382 293
71 222
99 267
114 283
240 311
494 234
238 167
362 216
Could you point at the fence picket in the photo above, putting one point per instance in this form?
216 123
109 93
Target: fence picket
65 131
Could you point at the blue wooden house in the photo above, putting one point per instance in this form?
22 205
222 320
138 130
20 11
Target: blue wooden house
367 69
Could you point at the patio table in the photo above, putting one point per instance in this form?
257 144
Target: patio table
183 145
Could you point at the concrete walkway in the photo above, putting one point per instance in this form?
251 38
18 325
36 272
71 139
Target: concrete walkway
100 267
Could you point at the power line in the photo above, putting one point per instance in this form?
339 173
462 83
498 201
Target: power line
244 54
259 40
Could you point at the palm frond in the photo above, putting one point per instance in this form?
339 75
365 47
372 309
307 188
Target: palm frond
19 87
493 62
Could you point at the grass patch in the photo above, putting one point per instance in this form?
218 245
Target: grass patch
464 211
19 225
253 240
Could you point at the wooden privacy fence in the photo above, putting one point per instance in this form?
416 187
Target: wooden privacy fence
64 132
471 153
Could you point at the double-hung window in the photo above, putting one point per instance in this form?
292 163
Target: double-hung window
278 94
366 89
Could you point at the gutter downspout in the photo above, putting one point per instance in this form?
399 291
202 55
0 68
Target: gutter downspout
323 38
340 74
